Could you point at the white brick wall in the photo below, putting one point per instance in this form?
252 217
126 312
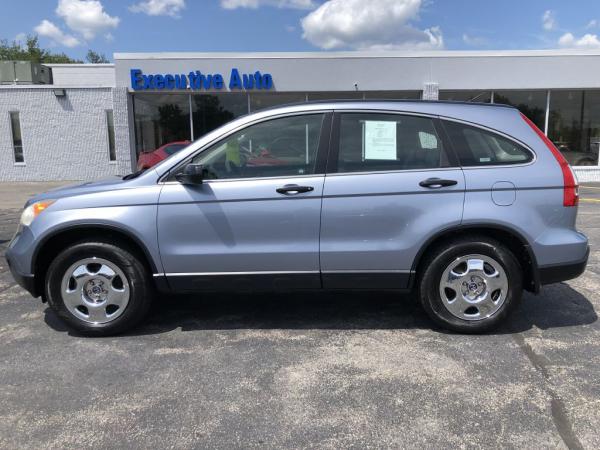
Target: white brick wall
587 174
64 138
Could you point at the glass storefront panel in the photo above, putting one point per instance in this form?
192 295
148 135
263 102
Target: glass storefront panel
268 100
393 95
210 111
467 96
159 120
574 125
530 103
334 95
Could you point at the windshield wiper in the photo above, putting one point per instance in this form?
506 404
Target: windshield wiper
133 175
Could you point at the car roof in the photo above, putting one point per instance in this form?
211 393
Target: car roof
387 103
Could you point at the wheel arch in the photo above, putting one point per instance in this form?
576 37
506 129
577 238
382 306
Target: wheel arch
510 237
55 242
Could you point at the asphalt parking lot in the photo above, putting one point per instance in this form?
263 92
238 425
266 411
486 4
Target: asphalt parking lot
332 370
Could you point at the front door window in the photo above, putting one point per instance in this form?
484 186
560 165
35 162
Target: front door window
280 147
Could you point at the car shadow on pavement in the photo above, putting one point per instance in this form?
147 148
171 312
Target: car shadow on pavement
557 306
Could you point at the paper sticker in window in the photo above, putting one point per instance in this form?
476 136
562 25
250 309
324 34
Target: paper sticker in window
380 140
428 140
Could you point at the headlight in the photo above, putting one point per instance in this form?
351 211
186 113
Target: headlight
34 210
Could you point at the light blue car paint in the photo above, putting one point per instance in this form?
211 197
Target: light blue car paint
360 230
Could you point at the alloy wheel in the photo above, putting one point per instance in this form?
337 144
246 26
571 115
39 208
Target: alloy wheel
95 290
473 287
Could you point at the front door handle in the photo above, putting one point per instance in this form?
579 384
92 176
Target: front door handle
293 189
435 183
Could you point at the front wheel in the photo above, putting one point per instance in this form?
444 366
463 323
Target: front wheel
98 288
470 285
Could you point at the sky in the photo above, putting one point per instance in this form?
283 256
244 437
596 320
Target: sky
112 26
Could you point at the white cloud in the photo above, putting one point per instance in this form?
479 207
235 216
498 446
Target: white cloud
474 41
51 31
86 17
549 20
159 7
254 4
588 40
592 24
373 25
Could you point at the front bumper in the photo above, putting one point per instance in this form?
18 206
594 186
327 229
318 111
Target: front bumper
24 280
18 256
563 272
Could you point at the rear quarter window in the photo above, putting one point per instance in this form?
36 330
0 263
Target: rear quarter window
477 147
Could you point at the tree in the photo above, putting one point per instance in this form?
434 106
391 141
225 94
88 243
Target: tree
14 51
96 58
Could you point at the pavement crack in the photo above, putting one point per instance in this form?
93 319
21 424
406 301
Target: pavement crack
557 406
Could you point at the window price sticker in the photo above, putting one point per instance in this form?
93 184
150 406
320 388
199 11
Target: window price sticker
380 140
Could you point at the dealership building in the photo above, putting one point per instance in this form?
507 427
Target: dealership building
88 121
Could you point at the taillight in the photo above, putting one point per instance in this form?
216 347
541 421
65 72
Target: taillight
570 187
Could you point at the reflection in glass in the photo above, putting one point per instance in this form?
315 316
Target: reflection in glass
530 103
467 96
209 112
160 119
279 147
268 100
574 125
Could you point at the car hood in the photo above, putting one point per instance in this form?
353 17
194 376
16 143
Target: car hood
106 184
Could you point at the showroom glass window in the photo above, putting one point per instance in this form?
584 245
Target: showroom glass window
384 142
15 127
312 96
574 125
466 96
160 119
210 111
279 147
530 103
393 95
269 100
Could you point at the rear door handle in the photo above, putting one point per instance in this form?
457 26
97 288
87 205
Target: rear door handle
293 189
435 183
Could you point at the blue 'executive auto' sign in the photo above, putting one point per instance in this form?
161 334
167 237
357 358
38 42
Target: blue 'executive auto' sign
197 80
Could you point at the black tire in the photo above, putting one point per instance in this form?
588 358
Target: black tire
136 273
442 256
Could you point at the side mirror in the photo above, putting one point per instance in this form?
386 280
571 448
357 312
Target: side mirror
192 174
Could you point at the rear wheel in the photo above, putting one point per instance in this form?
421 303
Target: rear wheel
98 288
470 285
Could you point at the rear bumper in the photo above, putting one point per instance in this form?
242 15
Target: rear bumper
562 272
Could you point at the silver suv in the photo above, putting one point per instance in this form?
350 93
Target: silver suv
466 204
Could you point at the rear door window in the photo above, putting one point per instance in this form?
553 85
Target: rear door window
477 147
371 142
